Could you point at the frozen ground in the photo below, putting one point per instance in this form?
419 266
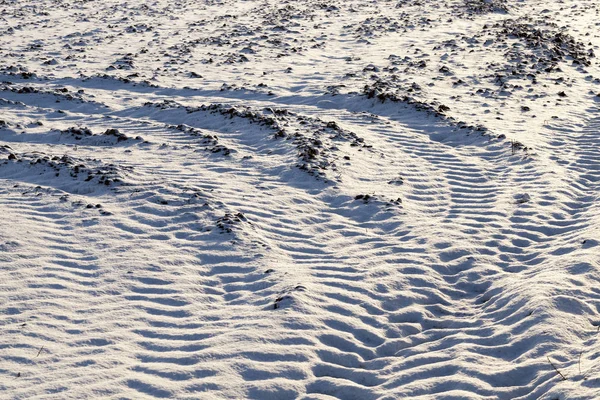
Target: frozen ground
299 199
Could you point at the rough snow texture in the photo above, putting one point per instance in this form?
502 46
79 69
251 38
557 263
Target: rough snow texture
299 200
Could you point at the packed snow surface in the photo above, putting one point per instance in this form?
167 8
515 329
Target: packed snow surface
338 199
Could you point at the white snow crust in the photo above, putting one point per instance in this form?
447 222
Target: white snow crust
312 199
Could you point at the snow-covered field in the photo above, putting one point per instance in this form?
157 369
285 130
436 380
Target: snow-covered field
344 199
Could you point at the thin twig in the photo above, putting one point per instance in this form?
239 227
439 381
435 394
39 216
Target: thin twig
580 354
41 348
564 378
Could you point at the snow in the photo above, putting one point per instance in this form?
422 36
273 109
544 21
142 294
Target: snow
299 200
